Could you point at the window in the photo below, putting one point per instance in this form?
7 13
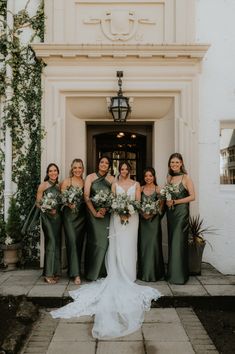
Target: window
227 153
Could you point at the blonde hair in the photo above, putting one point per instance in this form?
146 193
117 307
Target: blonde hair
73 162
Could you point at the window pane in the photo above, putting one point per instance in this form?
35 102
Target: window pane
227 156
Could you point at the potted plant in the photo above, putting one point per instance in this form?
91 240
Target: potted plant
10 235
197 243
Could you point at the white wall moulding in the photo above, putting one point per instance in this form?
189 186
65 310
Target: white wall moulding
153 21
176 52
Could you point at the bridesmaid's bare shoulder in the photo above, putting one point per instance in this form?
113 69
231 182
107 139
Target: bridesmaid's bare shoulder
65 183
91 177
43 186
111 179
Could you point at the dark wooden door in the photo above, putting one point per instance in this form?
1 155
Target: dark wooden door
132 143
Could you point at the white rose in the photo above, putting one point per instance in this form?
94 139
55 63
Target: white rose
131 209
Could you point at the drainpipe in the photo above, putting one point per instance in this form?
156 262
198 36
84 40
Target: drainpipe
9 94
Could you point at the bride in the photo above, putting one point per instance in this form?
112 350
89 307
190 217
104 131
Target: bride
117 303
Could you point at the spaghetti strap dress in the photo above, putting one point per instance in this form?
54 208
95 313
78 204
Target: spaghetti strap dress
178 224
150 256
74 223
51 226
97 235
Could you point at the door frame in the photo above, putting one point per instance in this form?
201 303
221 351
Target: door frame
95 129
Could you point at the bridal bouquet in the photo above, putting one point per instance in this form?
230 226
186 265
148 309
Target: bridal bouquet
102 200
124 206
150 207
169 192
49 201
72 195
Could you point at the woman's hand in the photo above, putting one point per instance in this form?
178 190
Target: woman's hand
99 215
170 203
147 216
71 206
53 211
102 211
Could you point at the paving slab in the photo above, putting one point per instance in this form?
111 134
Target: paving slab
21 279
120 348
220 290
231 278
163 315
136 336
158 347
213 279
193 281
49 290
164 290
72 348
15 290
188 290
164 332
78 332
4 277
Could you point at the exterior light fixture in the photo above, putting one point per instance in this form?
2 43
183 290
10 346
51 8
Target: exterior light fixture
119 106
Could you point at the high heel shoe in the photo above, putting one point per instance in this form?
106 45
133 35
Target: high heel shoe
50 280
77 280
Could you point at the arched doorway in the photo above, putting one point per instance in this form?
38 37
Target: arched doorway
132 143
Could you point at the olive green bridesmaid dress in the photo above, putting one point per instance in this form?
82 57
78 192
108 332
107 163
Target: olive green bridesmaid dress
177 224
97 235
74 227
51 226
150 256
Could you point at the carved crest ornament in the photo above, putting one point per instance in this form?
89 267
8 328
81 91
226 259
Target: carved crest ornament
119 24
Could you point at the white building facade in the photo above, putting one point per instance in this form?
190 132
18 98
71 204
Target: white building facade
177 60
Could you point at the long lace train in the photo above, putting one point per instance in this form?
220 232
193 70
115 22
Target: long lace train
116 301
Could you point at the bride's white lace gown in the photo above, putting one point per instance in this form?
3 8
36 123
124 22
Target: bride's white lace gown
116 301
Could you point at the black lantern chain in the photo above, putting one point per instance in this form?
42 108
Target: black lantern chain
119 107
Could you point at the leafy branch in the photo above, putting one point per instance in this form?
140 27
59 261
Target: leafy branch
22 113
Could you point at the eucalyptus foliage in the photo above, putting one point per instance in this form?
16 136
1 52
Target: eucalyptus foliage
22 114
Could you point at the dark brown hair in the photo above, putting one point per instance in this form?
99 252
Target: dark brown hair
176 155
124 163
103 157
47 171
152 171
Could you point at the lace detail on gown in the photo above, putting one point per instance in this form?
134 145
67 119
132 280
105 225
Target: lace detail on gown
116 301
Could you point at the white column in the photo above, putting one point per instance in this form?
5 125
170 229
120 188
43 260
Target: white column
8 139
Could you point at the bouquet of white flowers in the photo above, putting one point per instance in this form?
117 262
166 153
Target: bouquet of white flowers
169 191
49 201
150 207
101 200
124 206
73 196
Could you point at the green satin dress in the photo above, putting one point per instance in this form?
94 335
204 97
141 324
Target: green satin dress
177 224
51 226
150 256
74 228
97 236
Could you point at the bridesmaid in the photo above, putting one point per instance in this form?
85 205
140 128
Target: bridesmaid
178 220
74 222
150 257
51 225
98 221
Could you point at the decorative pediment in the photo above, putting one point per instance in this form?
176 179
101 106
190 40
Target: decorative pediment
174 52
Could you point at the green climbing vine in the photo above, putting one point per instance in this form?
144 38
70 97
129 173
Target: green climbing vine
22 113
